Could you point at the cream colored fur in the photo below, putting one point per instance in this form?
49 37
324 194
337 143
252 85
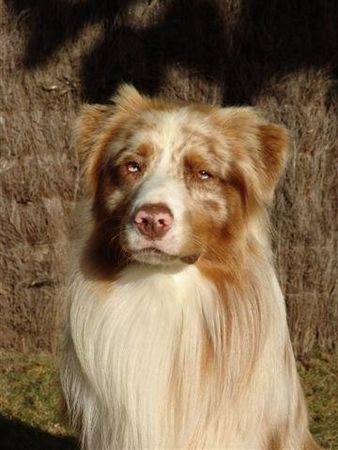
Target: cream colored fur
126 341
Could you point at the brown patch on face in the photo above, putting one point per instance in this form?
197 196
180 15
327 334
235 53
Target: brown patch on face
223 240
103 256
145 150
108 176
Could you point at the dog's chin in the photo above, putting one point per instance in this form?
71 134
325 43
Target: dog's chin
153 256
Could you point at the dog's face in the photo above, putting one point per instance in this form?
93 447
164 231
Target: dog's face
172 181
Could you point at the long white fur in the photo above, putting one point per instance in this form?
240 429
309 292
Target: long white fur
125 340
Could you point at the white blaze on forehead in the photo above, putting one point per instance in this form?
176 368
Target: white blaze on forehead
166 136
168 131
163 185
161 129
184 129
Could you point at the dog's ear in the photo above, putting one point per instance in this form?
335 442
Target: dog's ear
92 119
96 123
86 134
260 149
128 99
271 157
87 128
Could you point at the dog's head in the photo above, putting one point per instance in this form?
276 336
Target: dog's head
171 181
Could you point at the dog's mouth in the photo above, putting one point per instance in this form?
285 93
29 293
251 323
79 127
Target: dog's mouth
153 255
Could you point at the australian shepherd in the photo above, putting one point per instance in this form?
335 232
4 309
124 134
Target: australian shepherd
176 334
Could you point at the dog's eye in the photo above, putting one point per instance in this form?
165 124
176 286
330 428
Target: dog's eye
204 175
133 167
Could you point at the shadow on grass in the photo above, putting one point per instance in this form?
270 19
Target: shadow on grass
16 435
241 51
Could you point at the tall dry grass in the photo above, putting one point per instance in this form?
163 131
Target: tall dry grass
277 55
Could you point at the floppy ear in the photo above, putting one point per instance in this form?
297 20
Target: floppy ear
87 128
270 158
93 118
260 149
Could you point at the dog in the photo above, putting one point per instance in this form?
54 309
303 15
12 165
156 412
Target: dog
176 334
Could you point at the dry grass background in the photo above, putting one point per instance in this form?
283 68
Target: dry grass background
278 55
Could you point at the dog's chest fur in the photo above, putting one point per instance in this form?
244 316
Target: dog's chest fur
159 334
146 331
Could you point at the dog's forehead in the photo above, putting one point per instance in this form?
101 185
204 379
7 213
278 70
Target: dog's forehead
164 129
175 132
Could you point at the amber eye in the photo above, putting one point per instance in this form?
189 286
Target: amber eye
133 167
204 175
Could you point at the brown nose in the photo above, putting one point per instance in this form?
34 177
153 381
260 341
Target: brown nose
153 220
